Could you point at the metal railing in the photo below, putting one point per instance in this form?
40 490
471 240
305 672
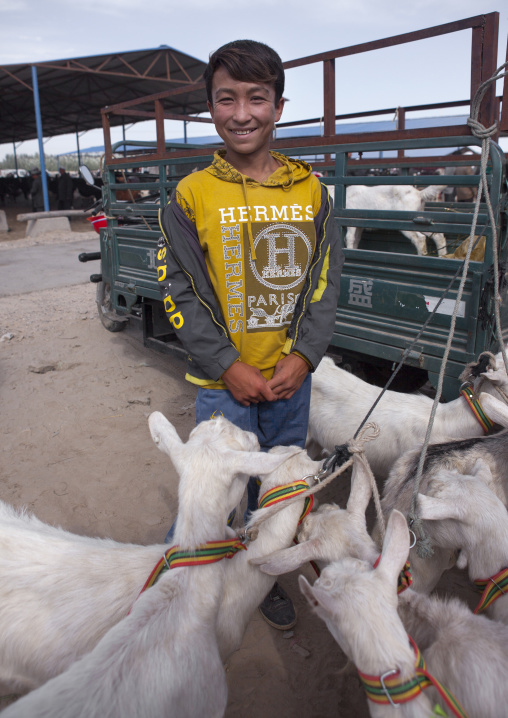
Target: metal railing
484 44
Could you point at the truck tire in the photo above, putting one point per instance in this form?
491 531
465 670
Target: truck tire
112 321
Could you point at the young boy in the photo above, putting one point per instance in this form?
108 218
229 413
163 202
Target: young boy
249 268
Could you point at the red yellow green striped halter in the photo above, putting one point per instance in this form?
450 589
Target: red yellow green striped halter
214 551
388 689
474 404
494 587
211 552
287 491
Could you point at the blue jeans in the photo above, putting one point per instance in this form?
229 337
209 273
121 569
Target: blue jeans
275 423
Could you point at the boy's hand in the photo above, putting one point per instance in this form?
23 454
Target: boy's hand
247 384
288 376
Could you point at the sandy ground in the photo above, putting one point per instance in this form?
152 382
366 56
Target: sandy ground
76 451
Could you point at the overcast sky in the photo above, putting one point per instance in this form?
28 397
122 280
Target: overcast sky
435 70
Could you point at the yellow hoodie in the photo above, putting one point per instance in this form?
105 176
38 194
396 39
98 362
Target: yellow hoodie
258 240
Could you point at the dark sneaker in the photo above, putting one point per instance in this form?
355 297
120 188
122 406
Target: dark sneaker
277 609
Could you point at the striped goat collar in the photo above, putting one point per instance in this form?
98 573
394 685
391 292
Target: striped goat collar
288 491
388 689
469 395
210 552
493 588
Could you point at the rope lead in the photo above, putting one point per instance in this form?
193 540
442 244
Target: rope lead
423 545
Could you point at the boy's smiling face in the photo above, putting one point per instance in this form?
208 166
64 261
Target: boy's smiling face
244 114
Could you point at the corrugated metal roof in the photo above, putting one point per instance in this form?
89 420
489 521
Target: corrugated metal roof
72 91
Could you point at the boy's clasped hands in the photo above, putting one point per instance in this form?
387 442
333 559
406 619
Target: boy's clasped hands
249 386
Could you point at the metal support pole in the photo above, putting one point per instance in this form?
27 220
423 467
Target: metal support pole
329 96
401 125
38 120
77 145
159 125
185 131
123 136
15 158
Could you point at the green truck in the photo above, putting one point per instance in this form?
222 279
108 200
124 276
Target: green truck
387 290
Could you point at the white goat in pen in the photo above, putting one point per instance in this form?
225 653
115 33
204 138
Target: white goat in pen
466 653
466 515
57 608
340 401
398 198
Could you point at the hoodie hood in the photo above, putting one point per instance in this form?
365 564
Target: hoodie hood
285 176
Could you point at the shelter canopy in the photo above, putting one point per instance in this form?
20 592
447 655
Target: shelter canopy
73 91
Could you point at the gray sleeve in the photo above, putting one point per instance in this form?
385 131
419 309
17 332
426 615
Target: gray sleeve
189 301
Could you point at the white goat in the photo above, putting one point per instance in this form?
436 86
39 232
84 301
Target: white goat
465 515
464 652
458 456
330 533
340 402
245 585
398 198
68 602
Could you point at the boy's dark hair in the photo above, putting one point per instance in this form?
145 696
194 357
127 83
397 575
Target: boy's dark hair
247 61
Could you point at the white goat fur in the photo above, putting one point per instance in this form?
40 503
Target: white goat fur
458 456
340 402
464 652
330 533
245 585
394 198
63 604
466 515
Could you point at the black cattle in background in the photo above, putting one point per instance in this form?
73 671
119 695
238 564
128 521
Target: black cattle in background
12 186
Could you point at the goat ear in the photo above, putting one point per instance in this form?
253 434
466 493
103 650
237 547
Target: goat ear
496 410
307 590
395 547
288 559
432 509
316 596
259 463
165 436
361 490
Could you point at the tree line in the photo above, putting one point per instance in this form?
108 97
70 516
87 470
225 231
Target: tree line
53 162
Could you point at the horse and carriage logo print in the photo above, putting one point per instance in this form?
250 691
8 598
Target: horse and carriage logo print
284 253
260 318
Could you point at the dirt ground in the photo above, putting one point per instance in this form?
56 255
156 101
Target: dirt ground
76 451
